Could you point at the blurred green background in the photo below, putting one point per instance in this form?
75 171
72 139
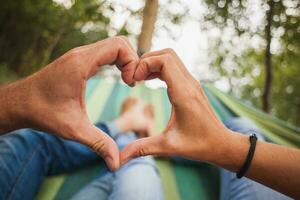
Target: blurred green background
250 48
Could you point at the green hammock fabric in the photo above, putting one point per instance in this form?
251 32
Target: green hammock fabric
180 180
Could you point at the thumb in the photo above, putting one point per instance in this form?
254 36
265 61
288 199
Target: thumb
103 145
142 147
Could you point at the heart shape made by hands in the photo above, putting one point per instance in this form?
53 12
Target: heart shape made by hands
55 101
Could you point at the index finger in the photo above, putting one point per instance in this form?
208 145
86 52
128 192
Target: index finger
116 50
164 64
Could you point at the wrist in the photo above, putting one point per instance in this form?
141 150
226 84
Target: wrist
14 105
230 152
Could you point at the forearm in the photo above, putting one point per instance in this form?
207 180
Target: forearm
13 105
272 165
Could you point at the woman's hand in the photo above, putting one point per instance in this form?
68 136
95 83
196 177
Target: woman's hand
193 130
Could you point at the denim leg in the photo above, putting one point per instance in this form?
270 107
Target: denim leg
27 156
137 180
99 189
233 188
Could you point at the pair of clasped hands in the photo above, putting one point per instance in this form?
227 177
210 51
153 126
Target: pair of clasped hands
54 101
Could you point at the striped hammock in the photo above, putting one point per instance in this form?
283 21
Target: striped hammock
181 180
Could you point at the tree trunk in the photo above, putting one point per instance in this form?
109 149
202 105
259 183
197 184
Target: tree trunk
266 101
49 50
149 18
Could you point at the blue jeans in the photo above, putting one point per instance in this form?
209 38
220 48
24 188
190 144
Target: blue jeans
137 180
27 156
233 188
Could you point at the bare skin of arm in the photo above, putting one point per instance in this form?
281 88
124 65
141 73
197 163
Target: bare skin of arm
273 165
194 131
53 99
9 100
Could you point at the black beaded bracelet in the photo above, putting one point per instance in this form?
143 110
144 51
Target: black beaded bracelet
249 158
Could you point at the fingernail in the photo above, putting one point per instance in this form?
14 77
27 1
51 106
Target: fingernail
111 164
132 84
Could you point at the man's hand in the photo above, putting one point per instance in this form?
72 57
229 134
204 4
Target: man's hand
53 99
193 129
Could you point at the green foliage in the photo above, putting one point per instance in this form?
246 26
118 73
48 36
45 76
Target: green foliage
6 73
34 32
244 69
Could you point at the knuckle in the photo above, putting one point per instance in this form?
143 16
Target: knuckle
136 150
119 40
99 146
74 54
168 58
134 61
122 37
169 51
142 152
143 62
144 67
75 51
145 55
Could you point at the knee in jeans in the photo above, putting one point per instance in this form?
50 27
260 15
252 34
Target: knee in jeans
22 143
139 178
29 137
